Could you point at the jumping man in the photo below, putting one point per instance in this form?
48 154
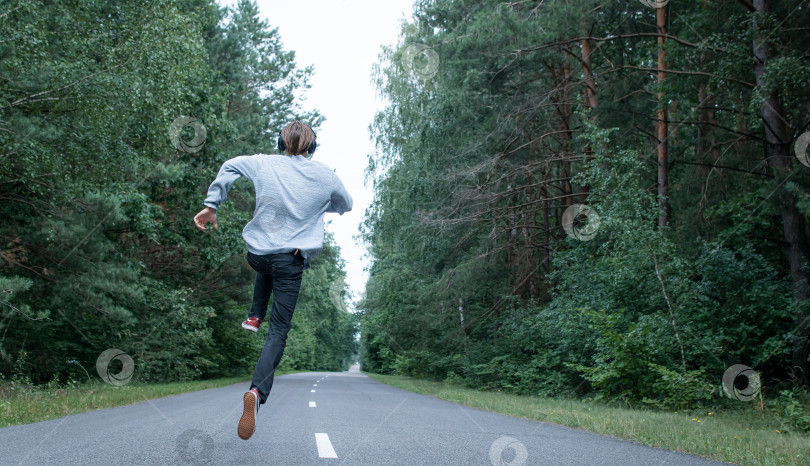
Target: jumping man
286 232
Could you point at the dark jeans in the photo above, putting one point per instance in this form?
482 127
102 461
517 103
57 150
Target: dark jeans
279 274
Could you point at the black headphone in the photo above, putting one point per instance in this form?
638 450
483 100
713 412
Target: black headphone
310 150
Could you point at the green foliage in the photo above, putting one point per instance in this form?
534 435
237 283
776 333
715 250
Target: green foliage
680 390
474 278
792 406
175 338
97 246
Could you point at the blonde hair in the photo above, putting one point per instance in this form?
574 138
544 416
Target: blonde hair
297 137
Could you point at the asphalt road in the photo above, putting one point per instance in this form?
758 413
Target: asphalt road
316 418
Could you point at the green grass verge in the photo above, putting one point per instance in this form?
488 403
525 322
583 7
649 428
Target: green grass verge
741 437
35 405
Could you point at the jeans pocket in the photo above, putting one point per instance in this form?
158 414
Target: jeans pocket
258 263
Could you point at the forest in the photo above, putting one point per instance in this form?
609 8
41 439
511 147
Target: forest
603 200
115 116
594 199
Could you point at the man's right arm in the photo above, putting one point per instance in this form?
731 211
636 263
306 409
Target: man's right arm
231 170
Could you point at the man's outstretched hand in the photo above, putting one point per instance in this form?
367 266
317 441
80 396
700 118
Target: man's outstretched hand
204 217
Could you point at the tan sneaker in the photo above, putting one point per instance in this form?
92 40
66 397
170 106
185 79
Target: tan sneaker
247 424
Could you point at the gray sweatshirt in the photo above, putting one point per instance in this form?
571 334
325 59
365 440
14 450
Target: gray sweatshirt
292 194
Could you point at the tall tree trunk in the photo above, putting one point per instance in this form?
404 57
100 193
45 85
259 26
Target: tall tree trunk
563 115
708 152
703 128
661 126
528 240
591 101
461 313
547 223
591 98
777 154
513 248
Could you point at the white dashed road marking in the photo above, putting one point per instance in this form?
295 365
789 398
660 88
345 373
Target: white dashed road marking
311 404
312 391
325 449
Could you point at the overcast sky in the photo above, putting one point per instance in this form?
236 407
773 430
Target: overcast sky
341 39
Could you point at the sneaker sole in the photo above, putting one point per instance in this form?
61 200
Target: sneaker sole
247 424
249 327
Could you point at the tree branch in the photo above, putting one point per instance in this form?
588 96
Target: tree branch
669 305
85 78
